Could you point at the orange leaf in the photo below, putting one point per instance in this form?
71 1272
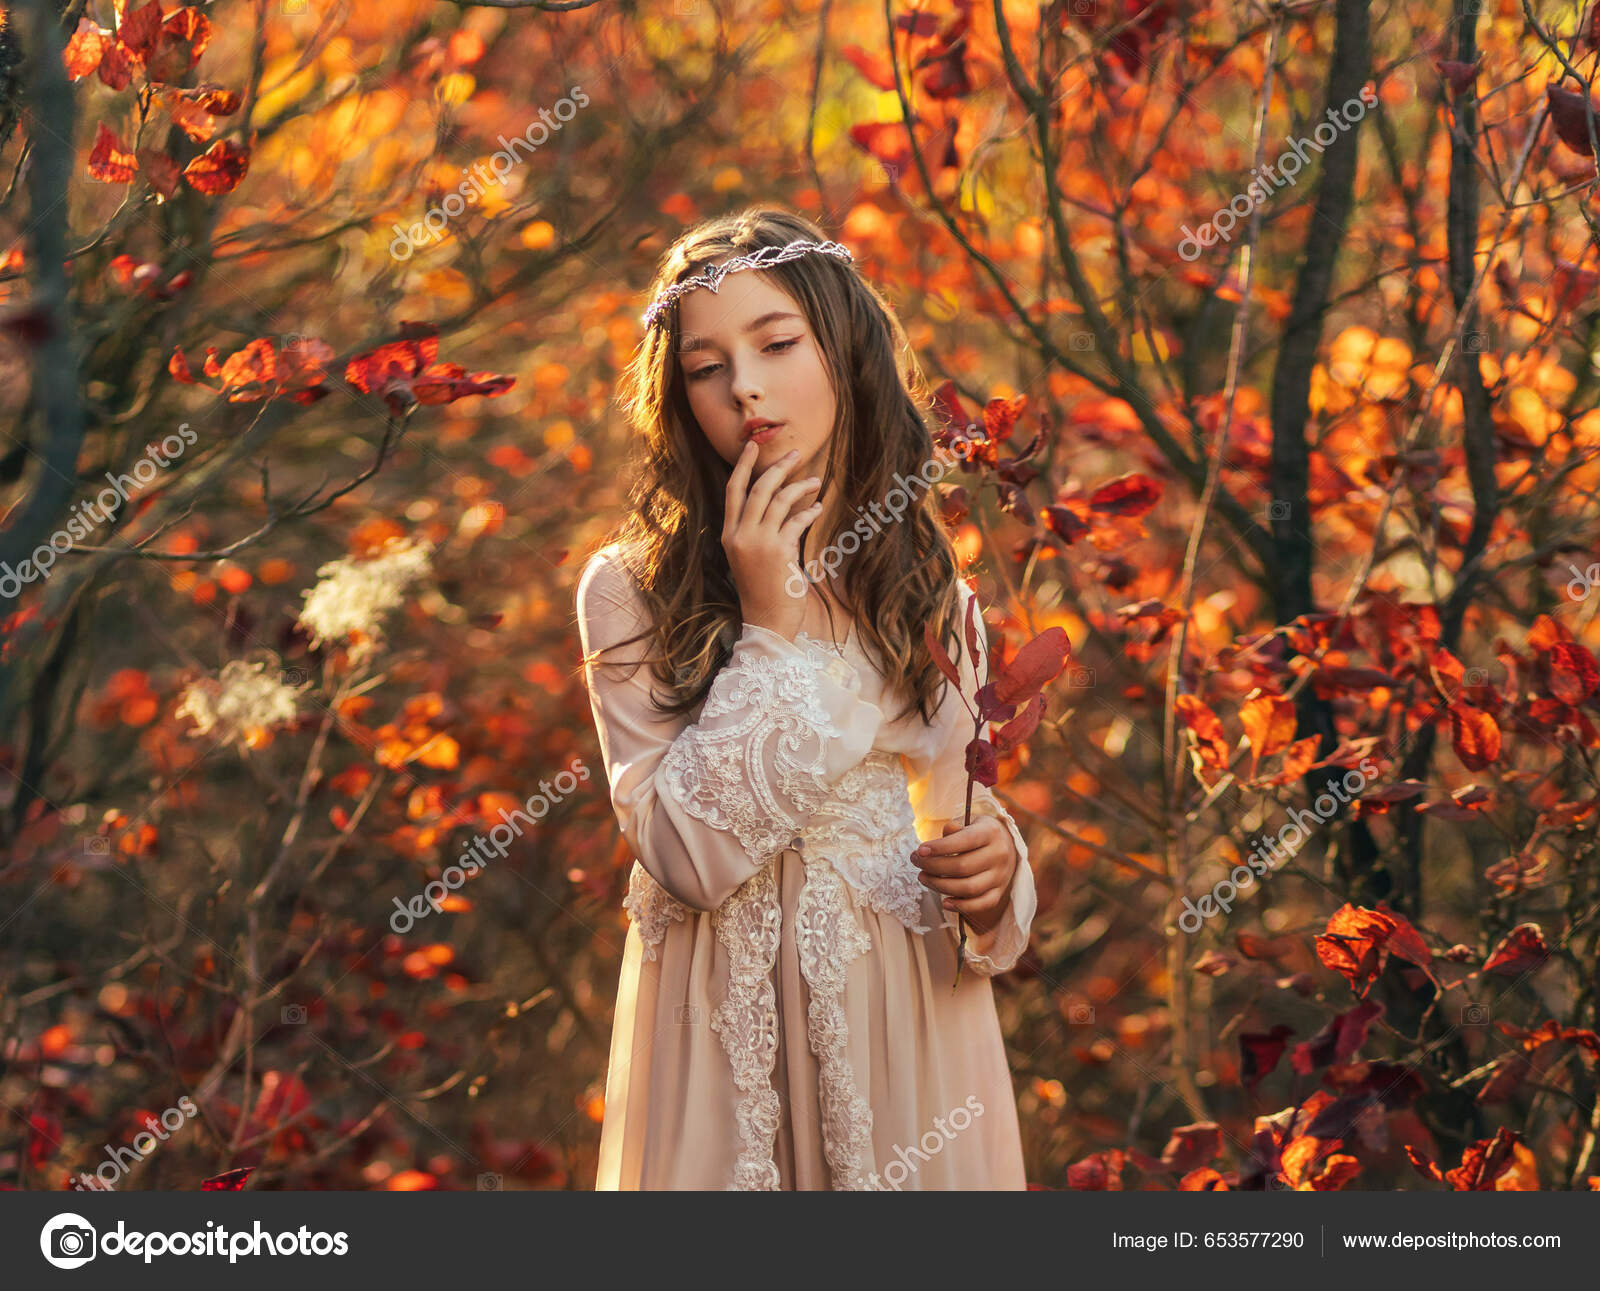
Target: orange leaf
1269 724
84 48
1475 736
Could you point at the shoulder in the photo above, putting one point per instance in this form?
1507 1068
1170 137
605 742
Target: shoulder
608 602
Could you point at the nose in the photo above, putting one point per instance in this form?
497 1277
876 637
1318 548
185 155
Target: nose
745 388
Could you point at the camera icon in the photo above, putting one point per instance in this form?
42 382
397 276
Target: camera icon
1080 1015
294 677
1278 510
686 8
67 1241
686 1013
1474 1015
1474 342
1082 8
97 845
1476 676
1081 341
490 1183
1080 676
886 173
292 6
294 1015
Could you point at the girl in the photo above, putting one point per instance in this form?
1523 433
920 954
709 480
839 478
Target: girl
785 1016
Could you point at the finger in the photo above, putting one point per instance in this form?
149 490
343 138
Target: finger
733 501
766 484
972 905
961 887
957 867
798 520
957 839
776 504
789 497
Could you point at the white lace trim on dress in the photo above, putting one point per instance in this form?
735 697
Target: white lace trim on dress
650 908
828 938
748 925
760 776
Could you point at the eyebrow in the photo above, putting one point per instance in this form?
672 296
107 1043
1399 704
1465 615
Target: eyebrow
692 343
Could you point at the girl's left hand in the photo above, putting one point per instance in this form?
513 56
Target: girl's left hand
972 866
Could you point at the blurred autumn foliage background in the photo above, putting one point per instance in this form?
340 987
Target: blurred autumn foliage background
1322 490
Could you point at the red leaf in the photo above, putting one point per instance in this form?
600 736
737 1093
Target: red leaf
218 169
981 763
1460 76
940 657
1358 940
1033 667
1523 950
139 28
1493 1165
179 44
447 382
160 170
1260 1052
116 65
1572 671
1424 1165
1064 523
178 366
873 66
229 1181
1000 417
1015 732
1129 495
1192 1146
1339 1041
1568 115
109 161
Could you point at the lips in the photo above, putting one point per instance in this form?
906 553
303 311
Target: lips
762 431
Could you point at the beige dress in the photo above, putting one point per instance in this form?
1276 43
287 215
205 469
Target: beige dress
785 1017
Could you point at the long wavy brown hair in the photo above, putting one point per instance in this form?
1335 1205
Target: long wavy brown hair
671 536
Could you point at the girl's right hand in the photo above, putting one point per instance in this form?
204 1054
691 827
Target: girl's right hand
761 536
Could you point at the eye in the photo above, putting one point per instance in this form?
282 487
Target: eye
775 347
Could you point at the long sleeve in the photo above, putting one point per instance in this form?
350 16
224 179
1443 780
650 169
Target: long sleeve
938 788
705 805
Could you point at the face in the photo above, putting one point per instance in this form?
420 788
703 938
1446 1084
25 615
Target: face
747 351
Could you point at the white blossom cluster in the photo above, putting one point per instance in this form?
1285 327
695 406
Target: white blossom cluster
354 595
243 698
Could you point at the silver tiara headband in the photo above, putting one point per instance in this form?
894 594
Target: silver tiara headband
763 258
